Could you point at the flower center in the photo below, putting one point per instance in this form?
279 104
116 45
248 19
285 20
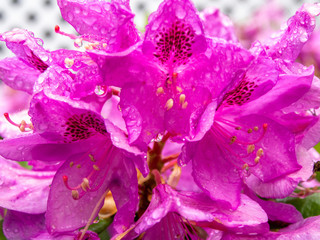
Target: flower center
83 126
97 162
173 44
239 141
37 62
240 94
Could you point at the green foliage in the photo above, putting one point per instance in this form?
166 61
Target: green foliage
309 206
2 237
317 147
100 228
25 165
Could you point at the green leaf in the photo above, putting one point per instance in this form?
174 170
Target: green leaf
2 237
309 206
25 165
104 235
317 147
100 226
318 176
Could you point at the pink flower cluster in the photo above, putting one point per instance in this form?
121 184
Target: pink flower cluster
179 132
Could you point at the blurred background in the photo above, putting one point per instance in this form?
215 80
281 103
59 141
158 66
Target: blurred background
40 16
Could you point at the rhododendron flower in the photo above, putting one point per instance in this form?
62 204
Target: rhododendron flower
177 133
243 142
175 68
177 215
92 163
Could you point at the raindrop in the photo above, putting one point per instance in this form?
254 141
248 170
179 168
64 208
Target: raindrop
101 91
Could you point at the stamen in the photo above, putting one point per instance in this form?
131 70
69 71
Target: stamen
160 90
179 89
182 98
260 152
57 30
250 130
75 194
184 105
169 104
245 166
256 128
68 62
22 126
250 148
71 164
95 167
233 139
85 184
91 158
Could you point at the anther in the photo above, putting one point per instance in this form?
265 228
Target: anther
260 152
184 105
91 158
22 126
160 90
85 184
179 89
257 159
169 104
68 62
71 164
245 166
238 128
233 139
250 130
182 98
250 148
78 166
95 167
256 128
75 194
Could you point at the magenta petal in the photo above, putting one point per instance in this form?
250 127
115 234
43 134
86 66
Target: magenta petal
289 42
18 75
35 147
290 87
177 20
118 69
115 171
168 206
253 84
209 71
187 121
143 120
120 140
112 21
277 188
24 190
27 48
218 25
18 225
278 146
213 172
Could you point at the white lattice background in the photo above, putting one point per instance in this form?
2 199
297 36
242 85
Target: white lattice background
40 16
